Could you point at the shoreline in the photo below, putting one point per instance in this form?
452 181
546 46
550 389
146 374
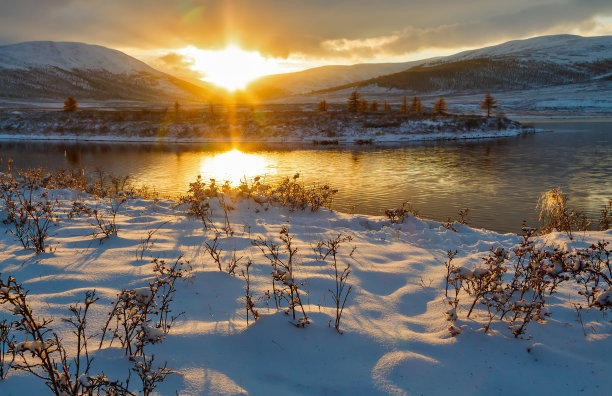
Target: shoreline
310 141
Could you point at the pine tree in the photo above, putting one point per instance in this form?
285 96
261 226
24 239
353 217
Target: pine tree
322 106
374 106
416 106
70 104
386 107
404 107
363 106
440 106
489 103
419 107
353 102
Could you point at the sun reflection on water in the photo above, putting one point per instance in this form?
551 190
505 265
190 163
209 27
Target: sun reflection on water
234 165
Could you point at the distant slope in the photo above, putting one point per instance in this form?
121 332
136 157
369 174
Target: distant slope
516 65
322 77
45 70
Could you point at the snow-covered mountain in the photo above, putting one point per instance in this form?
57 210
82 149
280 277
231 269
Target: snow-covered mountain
46 70
546 61
323 77
560 49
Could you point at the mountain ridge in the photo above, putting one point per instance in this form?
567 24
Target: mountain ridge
48 70
515 65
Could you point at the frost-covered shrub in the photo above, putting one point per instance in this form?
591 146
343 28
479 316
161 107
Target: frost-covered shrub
398 215
143 315
30 210
295 195
513 286
289 192
35 348
591 268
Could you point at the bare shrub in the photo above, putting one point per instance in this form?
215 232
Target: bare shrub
462 215
513 286
227 226
294 195
30 210
147 242
398 215
143 316
78 209
591 268
605 217
7 339
249 303
37 349
454 276
214 252
105 221
285 287
329 248
197 201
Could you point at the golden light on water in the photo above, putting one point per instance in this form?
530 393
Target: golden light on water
231 68
234 166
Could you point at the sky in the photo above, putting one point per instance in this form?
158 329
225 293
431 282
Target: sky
290 35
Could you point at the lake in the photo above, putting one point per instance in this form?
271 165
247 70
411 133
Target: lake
498 180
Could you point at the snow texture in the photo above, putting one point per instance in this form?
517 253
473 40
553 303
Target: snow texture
395 334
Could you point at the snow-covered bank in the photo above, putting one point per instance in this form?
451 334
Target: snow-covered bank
395 338
195 126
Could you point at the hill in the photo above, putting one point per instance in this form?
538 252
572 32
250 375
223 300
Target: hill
516 65
46 70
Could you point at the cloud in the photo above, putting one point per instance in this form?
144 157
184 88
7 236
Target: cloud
322 29
176 65
174 59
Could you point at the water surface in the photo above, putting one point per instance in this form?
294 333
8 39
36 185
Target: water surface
498 180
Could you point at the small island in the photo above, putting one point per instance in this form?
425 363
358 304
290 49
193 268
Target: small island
357 122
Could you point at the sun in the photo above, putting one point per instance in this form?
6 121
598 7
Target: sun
231 68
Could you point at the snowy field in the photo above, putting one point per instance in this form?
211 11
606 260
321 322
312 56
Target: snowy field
394 331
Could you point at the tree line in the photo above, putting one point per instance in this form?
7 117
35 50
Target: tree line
357 104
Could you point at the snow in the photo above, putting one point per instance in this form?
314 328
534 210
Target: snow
69 55
310 128
395 333
561 48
